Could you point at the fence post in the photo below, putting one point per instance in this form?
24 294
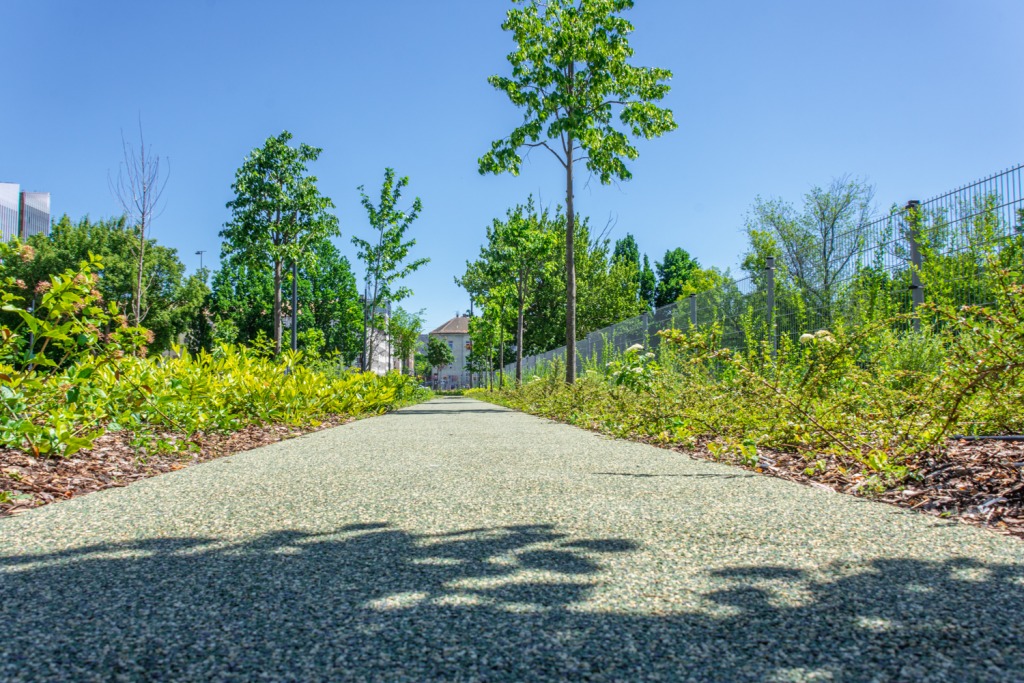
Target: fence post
769 271
693 310
646 338
914 237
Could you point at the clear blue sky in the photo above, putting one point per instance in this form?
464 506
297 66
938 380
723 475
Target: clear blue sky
918 96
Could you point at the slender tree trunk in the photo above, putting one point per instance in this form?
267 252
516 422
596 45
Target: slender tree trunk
277 306
501 358
295 305
490 364
363 355
570 271
137 303
519 336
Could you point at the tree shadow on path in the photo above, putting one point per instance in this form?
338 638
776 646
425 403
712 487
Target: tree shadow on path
373 602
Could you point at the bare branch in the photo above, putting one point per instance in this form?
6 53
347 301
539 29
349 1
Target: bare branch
546 146
139 188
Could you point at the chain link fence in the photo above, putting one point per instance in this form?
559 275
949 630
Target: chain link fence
936 251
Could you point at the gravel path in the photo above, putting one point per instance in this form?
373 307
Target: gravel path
460 541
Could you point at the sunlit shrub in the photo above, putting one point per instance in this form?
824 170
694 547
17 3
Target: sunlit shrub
72 369
871 395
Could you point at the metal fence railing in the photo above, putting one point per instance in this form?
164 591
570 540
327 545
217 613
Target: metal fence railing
937 250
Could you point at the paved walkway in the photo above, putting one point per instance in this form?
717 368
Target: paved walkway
460 541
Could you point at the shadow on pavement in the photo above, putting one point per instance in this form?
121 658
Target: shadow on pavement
508 603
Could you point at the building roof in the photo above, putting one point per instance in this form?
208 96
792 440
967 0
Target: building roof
458 325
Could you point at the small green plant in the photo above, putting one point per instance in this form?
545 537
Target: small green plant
634 369
7 497
744 452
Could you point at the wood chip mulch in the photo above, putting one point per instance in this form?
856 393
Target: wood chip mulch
976 482
27 482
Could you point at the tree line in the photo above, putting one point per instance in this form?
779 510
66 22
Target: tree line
280 237
518 283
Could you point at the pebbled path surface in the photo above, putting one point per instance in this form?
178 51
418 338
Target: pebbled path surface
461 541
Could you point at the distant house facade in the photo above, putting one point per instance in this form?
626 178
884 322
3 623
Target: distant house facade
455 333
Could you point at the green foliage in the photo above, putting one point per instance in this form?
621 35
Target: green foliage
981 382
438 354
516 255
72 369
864 400
570 74
818 244
311 342
404 329
627 252
276 215
173 300
675 271
328 301
634 369
648 286
605 289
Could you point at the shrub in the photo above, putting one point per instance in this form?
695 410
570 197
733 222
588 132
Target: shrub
72 369
869 396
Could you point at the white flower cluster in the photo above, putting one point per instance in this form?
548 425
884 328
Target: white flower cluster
820 335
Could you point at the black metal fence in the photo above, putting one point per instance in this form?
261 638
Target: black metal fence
937 250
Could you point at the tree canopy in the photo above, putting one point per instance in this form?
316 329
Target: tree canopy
675 270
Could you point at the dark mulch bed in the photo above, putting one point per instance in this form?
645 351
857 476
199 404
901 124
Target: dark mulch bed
27 482
977 482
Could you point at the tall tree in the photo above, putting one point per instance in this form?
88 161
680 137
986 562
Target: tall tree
818 243
276 214
648 286
606 290
242 295
384 255
241 301
627 251
626 269
570 72
490 289
139 188
674 272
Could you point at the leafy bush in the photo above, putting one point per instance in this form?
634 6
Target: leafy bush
869 397
72 369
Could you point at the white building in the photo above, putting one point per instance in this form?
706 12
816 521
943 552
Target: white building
380 357
23 214
455 333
